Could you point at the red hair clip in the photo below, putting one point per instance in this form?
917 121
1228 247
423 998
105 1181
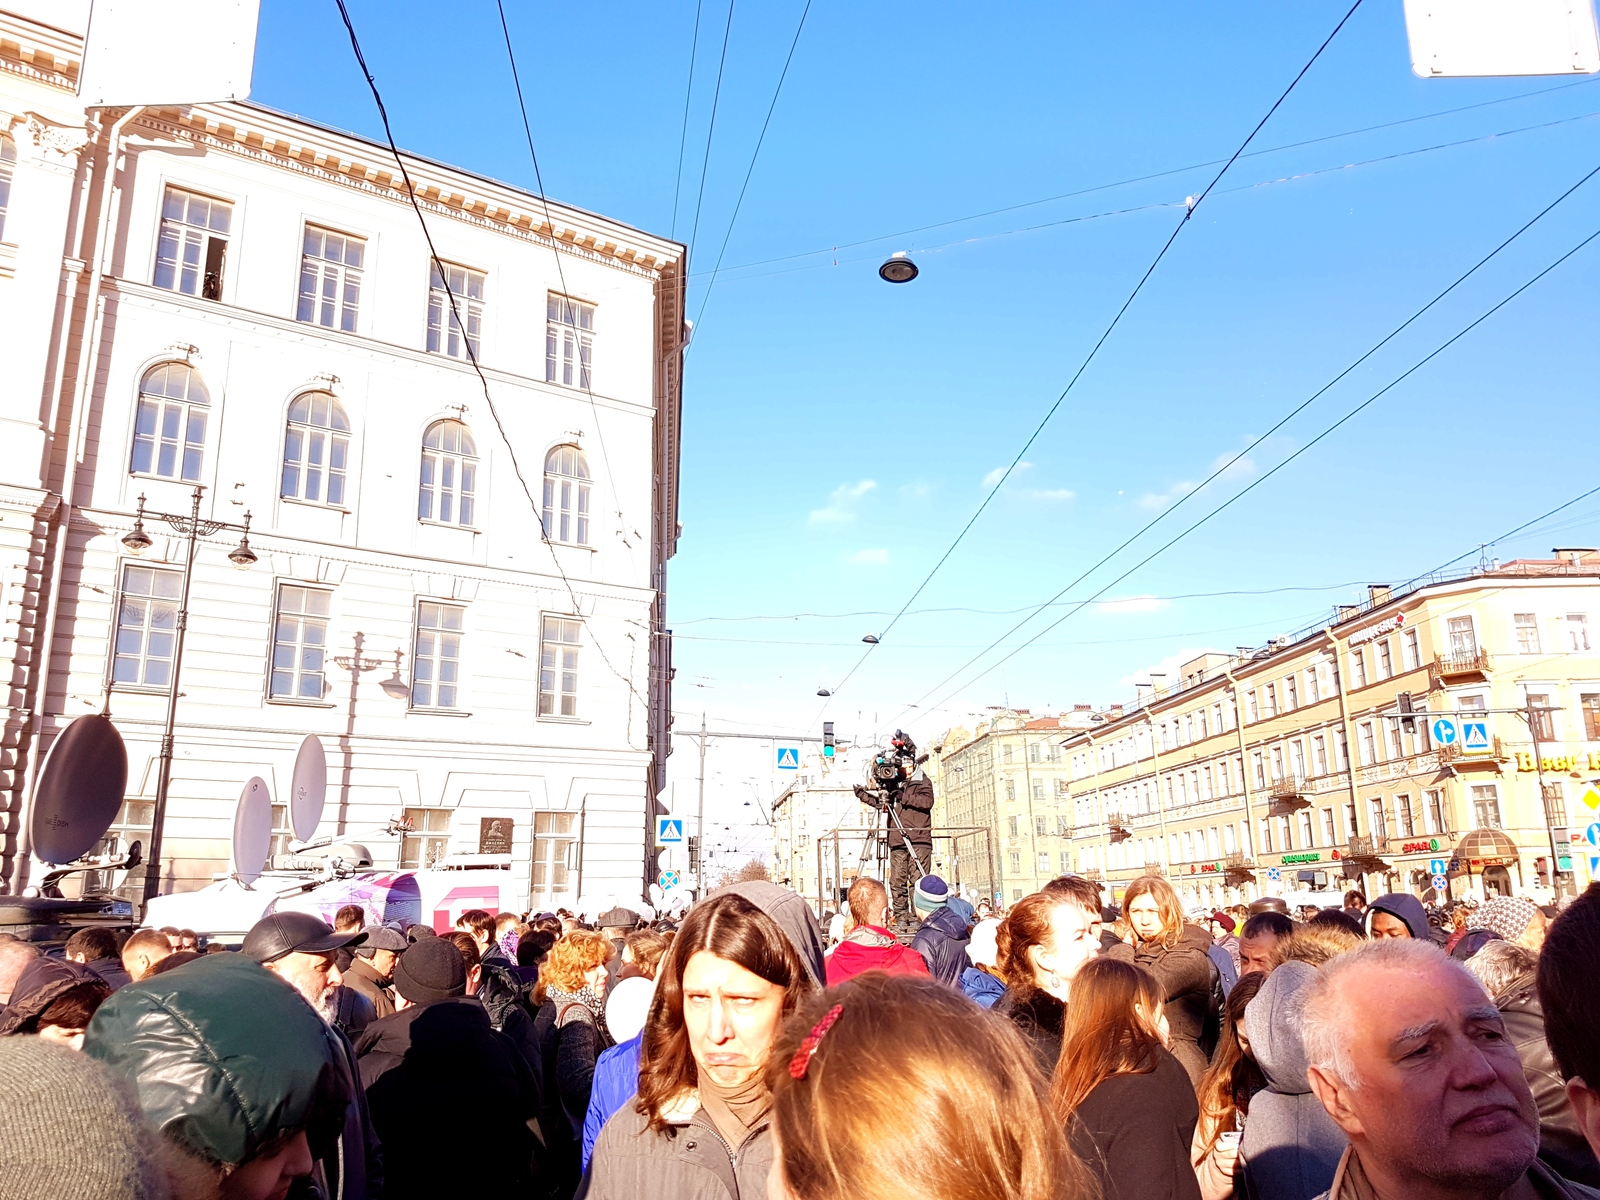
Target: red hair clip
801 1062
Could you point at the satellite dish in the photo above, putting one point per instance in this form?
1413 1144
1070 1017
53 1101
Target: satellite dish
309 790
252 831
80 789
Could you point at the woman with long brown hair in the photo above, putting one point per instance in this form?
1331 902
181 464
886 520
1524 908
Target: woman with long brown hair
1224 1094
1177 954
970 1119
1128 1106
743 959
1042 944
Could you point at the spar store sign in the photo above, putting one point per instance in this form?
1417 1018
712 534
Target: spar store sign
1388 625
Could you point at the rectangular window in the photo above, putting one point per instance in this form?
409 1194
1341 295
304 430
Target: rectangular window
1527 627
1272 700
1313 685
1005 752
1577 631
1590 703
330 279
1555 805
147 623
1038 826
1012 824
1044 862
1319 754
1011 790
553 836
1433 811
1330 835
1266 836
428 841
1463 642
300 643
1544 723
1230 839
282 832
1341 749
1277 762
1351 829
8 163
444 327
1188 846
1066 861
436 664
1291 693
1297 758
1369 744
1016 862
1385 659
1411 649
558 666
193 244
1358 667
1393 730
568 342
1378 824
1404 819
1251 706
1485 806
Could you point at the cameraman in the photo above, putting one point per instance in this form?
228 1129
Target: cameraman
909 803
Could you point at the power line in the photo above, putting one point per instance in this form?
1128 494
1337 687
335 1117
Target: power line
1407 373
1508 533
455 313
1102 187
782 75
683 134
711 130
1281 422
1084 366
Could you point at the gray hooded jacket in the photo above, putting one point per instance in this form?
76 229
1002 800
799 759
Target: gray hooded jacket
1404 907
1291 1147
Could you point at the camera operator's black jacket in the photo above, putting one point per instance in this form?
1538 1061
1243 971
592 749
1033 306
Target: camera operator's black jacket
914 806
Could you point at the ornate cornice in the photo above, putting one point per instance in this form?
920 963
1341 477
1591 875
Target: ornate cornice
43 55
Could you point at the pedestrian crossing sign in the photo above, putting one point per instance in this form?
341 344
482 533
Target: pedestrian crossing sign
1475 737
669 831
788 758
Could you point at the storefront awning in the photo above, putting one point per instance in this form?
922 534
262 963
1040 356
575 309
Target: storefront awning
1487 845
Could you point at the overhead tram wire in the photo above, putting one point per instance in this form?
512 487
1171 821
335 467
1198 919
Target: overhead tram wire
750 170
1095 350
711 131
683 134
1510 533
1281 422
561 274
1348 416
1102 187
472 356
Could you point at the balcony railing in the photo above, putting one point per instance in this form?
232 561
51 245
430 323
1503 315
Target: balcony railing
1457 757
1460 666
1285 796
1367 847
1238 860
1152 868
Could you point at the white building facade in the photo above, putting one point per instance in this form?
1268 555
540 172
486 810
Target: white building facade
460 583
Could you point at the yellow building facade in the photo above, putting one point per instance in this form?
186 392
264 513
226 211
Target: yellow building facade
1313 764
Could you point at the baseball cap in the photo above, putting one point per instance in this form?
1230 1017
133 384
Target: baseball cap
283 933
381 937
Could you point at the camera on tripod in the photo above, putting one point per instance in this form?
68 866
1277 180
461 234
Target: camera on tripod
888 770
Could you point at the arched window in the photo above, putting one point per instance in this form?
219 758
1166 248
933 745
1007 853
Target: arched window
315 450
169 428
566 496
449 481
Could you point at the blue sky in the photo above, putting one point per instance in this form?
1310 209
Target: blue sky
838 430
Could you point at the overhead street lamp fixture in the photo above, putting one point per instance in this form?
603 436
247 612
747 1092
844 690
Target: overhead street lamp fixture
137 541
824 693
897 268
871 639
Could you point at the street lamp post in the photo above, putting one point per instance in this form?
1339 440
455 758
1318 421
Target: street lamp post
137 542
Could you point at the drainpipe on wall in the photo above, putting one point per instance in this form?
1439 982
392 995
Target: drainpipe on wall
1244 768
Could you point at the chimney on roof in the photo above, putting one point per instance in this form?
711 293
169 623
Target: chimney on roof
1158 681
1578 555
1377 593
1116 712
1083 708
1346 611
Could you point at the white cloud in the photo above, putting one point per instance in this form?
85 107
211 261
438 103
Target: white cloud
999 473
870 557
1238 471
841 502
916 491
1053 494
1132 604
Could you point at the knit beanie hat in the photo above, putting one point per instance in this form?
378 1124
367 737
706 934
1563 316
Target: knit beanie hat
69 1130
931 894
432 969
1506 915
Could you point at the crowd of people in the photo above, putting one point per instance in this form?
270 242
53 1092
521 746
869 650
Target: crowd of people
1060 1050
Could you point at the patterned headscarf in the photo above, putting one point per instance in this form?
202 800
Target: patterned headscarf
1506 915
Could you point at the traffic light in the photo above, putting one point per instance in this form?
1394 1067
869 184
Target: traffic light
694 854
1407 721
827 739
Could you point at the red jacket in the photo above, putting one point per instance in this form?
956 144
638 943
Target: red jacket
869 948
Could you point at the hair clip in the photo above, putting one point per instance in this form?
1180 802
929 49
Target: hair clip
801 1062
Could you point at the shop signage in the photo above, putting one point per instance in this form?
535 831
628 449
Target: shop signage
1210 868
1388 625
1431 846
1290 860
1562 762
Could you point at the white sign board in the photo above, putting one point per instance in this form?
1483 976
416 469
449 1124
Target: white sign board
152 52
1502 37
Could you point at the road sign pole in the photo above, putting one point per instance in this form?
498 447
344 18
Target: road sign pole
700 818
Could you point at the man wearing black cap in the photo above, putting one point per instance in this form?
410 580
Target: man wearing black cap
438 1066
373 967
299 949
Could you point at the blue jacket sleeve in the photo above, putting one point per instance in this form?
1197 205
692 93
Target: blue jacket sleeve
616 1079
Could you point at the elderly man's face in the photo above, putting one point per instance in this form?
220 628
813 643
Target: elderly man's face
312 975
383 963
1429 1045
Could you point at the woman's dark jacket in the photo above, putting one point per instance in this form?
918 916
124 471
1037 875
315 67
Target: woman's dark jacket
1038 1017
567 1051
1134 1132
1187 978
